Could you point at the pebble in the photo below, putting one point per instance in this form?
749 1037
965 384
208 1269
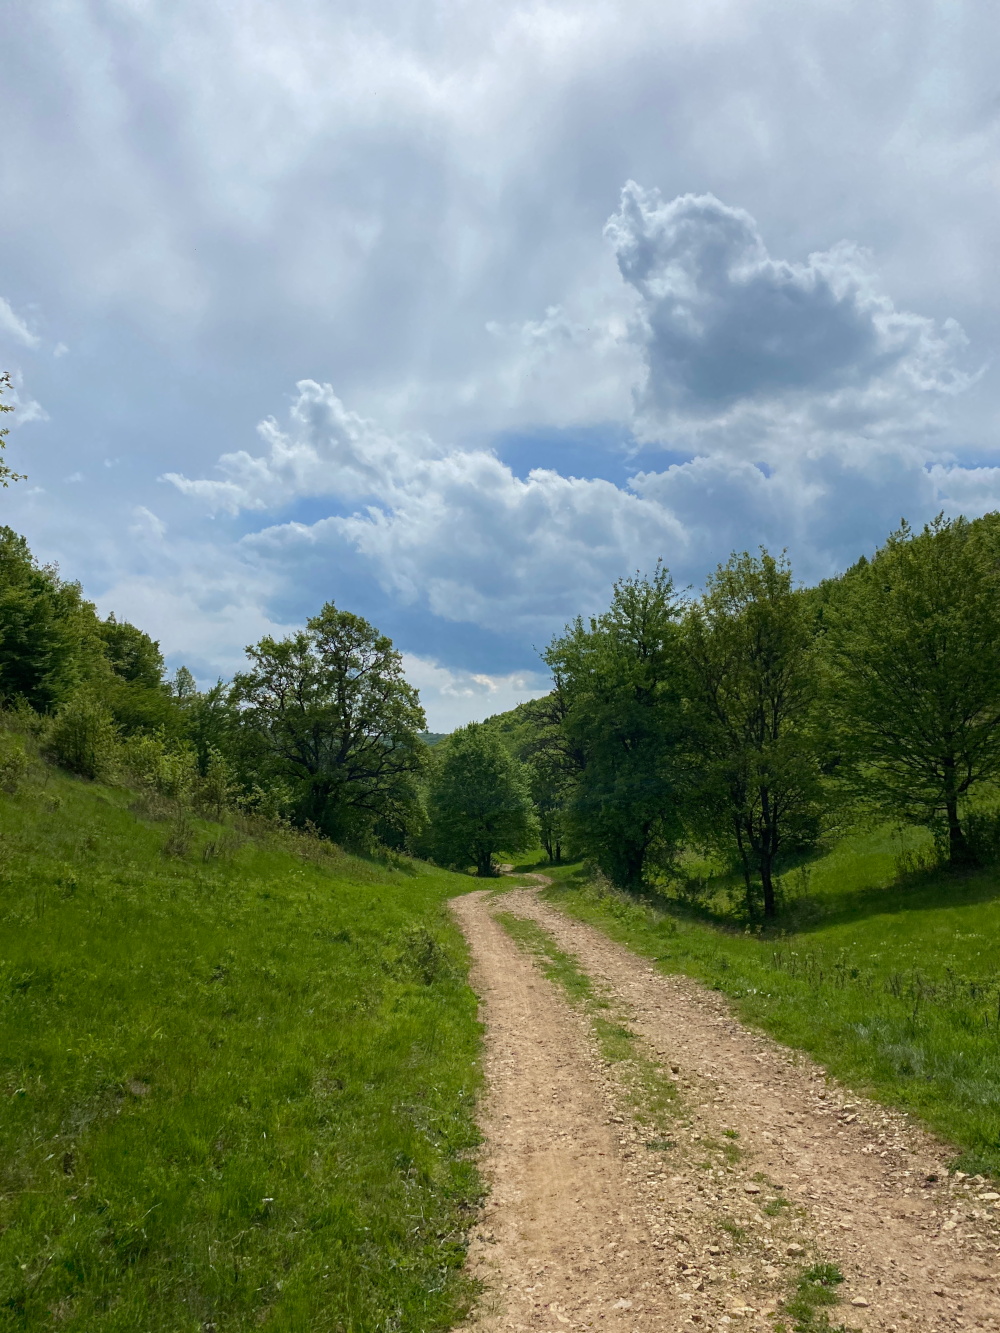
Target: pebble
859 1300
795 1250
752 1189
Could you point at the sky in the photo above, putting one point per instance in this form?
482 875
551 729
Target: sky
455 313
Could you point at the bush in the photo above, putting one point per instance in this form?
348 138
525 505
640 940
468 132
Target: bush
158 768
982 833
83 738
13 764
215 791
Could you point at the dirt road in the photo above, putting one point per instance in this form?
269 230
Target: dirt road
590 1224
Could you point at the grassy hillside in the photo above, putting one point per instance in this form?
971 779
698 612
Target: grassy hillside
890 978
237 1077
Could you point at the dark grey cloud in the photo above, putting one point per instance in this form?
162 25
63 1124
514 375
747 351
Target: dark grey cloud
724 324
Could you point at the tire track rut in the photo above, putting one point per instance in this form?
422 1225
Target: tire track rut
586 1228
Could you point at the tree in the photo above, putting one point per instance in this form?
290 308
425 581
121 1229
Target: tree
135 690
912 644
752 690
7 475
336 719
49 643
132 655
534 735
618 683
479 800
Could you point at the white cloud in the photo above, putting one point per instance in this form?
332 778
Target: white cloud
146 525
451 698
455 530
15 327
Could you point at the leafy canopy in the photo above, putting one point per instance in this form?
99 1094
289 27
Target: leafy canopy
337 721
620 681
479 800
752 688
912 643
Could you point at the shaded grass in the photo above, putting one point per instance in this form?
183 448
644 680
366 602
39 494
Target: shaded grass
903 1002
237 1078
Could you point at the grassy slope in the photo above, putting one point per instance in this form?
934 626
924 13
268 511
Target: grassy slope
894 986
234 1092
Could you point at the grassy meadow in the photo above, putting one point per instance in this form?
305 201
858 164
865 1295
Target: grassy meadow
237 1077
886 971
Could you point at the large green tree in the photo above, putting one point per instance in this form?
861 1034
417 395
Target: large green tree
752 687
337 721
912 642
135 690
479 802
619 686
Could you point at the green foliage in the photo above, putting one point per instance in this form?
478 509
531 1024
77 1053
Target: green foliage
912 642
815 1291
479 803
82 738
621 680
237 1083
535 735
131 654
7 475
752 687
13 763
338 722
48 633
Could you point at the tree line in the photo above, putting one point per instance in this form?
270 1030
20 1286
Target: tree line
747 720
743 721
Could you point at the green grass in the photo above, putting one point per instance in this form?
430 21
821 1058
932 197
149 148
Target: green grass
815 1291
891 981
237 1082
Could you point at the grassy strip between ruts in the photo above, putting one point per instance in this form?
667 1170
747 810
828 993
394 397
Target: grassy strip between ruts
653 1095
893 990
656 1104
237 1078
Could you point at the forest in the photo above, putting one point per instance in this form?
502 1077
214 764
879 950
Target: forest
733 728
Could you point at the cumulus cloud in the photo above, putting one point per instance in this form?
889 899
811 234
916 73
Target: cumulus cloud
741 343
451 697
455 530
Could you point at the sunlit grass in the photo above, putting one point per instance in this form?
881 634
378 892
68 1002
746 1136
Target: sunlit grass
892 981
236 1084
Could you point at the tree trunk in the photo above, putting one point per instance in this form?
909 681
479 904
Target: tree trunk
484 867
768 884
747 875
960 855
768 847
635 859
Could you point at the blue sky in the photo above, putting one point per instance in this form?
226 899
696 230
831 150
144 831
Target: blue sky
456 313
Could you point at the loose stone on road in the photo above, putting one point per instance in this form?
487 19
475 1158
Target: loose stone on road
589 1225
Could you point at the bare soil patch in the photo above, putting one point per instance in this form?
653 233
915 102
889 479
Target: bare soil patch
589 1224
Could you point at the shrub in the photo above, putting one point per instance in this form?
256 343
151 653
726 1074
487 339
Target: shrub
158 768
13 764
83 738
